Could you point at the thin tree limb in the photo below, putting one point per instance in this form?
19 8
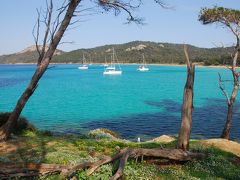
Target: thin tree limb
187 56
122 163
47 22
36 37
221 86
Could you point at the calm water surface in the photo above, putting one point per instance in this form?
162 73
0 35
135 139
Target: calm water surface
145 104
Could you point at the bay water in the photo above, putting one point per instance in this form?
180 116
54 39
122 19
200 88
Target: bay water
134 104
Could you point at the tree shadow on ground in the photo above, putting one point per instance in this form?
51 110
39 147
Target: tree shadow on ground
208 121
19 148
19 153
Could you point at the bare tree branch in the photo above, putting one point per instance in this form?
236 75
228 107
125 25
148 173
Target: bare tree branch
57 21
47 22
128 7
67 42
36 37
186 55
221 86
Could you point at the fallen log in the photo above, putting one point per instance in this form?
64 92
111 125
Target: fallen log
170 154
32 169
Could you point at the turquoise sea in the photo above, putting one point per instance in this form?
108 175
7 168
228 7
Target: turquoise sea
134 104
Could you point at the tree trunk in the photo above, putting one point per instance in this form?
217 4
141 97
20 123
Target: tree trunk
187 108
7 128
228 124
231 101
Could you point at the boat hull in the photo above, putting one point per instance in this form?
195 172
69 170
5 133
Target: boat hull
83 68
143 69
112 72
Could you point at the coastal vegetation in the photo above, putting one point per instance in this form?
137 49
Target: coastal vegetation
131 52
32 147
228 18
105 155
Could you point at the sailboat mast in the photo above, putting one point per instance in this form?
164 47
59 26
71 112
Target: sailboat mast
90 58
83 59
143 59
113 54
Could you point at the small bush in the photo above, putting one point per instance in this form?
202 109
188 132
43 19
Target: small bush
22 124
103 133
207 63
114 134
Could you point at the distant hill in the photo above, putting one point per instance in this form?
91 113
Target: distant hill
28 55
131 53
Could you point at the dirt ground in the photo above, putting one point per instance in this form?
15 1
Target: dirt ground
225 145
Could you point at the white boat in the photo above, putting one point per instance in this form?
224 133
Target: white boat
143 67
84 66
112 69
108 72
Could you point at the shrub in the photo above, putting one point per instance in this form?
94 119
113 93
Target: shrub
103 133
22 124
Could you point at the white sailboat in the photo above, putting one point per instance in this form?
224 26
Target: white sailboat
105 64
143 67
84 66
112 69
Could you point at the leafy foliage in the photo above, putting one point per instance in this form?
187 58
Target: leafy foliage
103 133
219 14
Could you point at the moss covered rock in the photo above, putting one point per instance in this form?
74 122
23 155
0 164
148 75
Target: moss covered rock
103 133
163 139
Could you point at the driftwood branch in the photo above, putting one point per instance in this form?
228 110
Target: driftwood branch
69 172
123 155
170 154
31 169
105 160
122 163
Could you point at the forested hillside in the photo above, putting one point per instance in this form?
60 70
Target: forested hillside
131 53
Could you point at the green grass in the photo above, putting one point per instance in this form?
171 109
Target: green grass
34 146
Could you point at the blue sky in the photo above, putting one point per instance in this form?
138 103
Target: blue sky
178 25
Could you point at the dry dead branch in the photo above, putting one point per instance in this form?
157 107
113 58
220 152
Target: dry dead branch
31 169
